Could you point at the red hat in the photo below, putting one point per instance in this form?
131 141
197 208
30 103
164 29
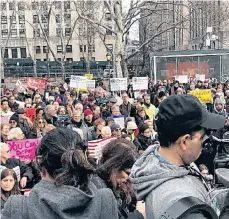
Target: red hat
87 112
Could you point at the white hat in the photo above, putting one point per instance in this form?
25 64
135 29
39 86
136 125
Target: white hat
131 125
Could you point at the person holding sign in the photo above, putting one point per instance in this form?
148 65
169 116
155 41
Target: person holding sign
25 171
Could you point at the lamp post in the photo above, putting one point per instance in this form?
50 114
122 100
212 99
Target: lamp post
108 56
18 69
97 65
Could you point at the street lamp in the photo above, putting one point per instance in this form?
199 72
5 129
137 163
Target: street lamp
97 63
108 56
18 68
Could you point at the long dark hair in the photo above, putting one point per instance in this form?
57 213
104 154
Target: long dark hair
60 153
117 155
15 190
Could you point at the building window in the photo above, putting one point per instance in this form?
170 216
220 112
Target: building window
6 54
81 48
58 32
45 49
67 18
4 33
91 48
44 18
69 59
21 19
13 19
91 31
67 5
12 5
4 20
46 31
82 31
59 49
93 59
14 53
34 5
68 31
108 31
57 4
38 49
14 33
37 33
85 48
3 7
21 6
69 48
35 19
58 19
22 33
82 59
23 53
45 6
109 47
108 16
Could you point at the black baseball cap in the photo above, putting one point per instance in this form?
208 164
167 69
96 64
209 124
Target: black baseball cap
184 112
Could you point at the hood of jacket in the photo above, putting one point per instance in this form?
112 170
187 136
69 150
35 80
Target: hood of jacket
151 170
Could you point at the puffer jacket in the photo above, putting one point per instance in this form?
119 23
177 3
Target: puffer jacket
142 142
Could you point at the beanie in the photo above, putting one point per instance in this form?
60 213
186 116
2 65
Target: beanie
87 112
143 127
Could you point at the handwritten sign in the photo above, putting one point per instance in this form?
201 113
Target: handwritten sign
23 149
182 78
31 113
140 83
78 82
120 120
20 86
5 119
205 96
35 83
200 77
90 84
118 84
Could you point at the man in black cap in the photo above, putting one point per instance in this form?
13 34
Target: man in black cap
163 176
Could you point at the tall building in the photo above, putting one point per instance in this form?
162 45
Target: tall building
50 30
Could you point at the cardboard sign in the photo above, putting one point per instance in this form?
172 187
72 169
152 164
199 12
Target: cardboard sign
35 83
20 87
31 113
200 77
182 78
205 96
120 120
5 119
18 172
78 82
118 84
89 76
23 149
140 83
90 84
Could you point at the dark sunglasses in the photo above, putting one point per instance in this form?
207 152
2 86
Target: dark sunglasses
40 122
12 121
118 129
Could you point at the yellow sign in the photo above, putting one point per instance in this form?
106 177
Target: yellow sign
89 76
205 96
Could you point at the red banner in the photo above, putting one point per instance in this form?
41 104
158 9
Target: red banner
35 83
31 113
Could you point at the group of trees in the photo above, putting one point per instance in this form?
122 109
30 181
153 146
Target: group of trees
161 21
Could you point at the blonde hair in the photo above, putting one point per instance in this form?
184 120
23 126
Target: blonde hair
106 130
14 133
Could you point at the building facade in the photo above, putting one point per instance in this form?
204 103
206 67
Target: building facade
52 30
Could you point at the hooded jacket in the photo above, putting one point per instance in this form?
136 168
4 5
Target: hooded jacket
49 201
161 183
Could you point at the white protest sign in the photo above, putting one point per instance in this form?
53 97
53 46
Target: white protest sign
78 82
20 87
200 77
140 83
90 84
18 172
182 78
118 84
120 120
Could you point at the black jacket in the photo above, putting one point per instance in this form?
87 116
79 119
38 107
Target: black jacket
24 126
140 120
53 120
24 169
142 142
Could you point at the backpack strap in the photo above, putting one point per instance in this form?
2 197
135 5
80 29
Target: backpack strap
187 205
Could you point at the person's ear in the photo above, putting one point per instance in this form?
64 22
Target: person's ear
183 140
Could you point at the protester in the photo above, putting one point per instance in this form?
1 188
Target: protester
50 115
14 120
94 132
9 185
38 129
11 163
13 105
167 165
150 109
116 130
39 113
15 134
65 190
141 116
5 110
125 107
4 132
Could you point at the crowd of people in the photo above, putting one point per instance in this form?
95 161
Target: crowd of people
143 169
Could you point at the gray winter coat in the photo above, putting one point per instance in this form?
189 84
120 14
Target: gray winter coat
49 201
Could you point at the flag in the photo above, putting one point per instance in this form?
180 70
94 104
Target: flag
95 146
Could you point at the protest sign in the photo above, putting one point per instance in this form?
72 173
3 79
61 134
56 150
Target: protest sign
120 120
5 119
35 83
200 77
140 83
89 76
118 84
20 87
182 78
23 149
31 113
18 172
78 82
204 96
90 84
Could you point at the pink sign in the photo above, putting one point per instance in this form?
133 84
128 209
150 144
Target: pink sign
35 83
23 149
5 119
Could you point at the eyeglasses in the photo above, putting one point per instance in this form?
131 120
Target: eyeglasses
40 122
12 121
118 129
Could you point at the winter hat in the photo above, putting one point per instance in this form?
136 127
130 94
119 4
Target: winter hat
115 126
87 112
131 125
143 127
14 117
